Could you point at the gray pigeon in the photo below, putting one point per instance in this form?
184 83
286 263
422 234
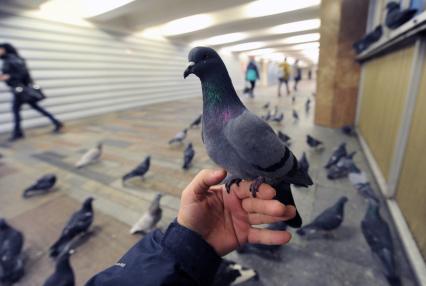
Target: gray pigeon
378 236
179 137
278 117
139 171
188 155
267 116
11 258
90 156
362 185
314 143
196 122
64 274
236 139
293 99
232 273
149 219
328 220
308 105
348 130
284 138
295 115
79 223
337 154
41 186
342 169
304 163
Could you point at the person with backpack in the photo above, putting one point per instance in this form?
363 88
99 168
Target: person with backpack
252 74
16 75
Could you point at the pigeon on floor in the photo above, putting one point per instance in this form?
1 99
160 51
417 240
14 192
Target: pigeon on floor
329 220
308 105
179 137
295 115
149 219
304 163
360 182
266 105
188 155
314 143
284 138
196 122
263 250
343 167
79 223
275 112
139 171
90 156
227 123
337 154
293 99
378 236
278 118
348 130
267 116
232 273
11 262
64 274
395 17
41 186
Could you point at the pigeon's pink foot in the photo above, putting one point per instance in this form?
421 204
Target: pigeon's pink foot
254 187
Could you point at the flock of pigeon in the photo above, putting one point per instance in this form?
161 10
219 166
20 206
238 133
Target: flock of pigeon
219 138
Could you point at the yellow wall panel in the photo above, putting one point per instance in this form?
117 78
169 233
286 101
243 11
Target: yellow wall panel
385 85
411 189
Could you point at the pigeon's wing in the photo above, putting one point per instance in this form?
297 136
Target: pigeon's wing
358 178
328 218
79 221
256 142
143 224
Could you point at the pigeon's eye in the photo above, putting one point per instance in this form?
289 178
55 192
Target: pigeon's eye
205 57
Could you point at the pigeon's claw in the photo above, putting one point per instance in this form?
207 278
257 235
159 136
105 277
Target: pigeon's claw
229 182
254 187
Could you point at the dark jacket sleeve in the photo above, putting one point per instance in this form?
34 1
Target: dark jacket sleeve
177 257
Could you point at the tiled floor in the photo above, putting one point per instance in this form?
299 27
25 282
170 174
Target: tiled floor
128 137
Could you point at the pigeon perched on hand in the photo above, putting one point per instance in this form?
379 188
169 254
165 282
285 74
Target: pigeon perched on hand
90 156
64 274
179 137
308 105
139 171
378 236
41 186
342 168
149 219
239 141
295 115
329 220
314 143
360 182
395 17
11 258
337 154
232 273
79 223
188 155
196 122
266 105
284 138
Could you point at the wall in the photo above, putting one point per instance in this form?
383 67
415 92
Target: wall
86 70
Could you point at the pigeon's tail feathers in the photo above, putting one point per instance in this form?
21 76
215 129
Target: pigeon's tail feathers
174 140
185 165
394 280
58 246
27 192
126 177
285 196
299 178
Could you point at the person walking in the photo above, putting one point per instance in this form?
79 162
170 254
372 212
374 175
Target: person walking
16 75
285 76
297 71
252 74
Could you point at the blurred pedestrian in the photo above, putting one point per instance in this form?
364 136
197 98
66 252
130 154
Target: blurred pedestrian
16 75
297 72
252 74
285 76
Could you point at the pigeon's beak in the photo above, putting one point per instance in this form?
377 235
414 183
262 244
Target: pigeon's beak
188 70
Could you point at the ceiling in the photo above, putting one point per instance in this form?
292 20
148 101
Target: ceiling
229 22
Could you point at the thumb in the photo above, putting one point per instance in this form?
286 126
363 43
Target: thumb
205 179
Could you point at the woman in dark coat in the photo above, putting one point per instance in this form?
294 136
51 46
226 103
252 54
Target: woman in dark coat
16 75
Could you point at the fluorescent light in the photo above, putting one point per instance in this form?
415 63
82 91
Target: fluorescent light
262 8
296 26
302 38
81 8
245 46
221 39
187 24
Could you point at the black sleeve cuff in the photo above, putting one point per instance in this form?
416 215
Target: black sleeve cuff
196 257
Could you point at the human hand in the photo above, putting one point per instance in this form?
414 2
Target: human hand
225 220
4 77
